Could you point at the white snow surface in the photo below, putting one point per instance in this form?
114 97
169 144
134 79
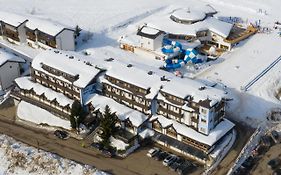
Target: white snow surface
73 66
37 115
118 144
18 158
11 18
234 69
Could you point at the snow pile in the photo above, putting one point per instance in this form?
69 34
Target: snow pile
34 114
118 144
18 158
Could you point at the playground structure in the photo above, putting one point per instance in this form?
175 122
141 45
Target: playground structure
174 49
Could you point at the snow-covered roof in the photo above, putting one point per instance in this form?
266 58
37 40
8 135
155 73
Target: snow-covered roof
27 84
123 112
149 32
215 134
189 14
135 76
35 114
182 88
46 26
66 62
165 23
7 56
12 19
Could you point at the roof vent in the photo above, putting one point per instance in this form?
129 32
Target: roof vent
201 88
149 72
129 65
71 57
88 63
109 59
56 51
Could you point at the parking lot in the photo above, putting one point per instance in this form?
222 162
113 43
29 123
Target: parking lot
261 167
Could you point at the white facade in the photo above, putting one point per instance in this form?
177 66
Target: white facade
66 40
206 120
220 41
22 33
9 71
151 44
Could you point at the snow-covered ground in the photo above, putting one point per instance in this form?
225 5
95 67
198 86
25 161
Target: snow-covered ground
37 115
234 69
118 144
18 158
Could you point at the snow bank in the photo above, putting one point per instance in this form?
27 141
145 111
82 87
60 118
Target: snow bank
18 158
29 112
118 144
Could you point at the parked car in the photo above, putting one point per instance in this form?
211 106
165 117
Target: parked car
174 166
277 172
107 153
249 162
170 159
275 136
185 168
96 145
273 163
161 156
61 134
266 141
152 152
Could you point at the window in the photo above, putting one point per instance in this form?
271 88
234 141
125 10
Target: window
203 111
203 130
11 67
203 120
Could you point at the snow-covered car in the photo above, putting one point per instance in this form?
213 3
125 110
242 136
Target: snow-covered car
152 152
170 159
61 134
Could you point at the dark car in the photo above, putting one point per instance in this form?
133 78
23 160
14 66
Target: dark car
273 163
185 168
96 145
61 134
161 155
277 172
107 153
174 166
275 136
249 162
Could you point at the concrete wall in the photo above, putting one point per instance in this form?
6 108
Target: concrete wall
8 73
22 33
66 40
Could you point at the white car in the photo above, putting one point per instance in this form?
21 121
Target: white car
170 159
152 152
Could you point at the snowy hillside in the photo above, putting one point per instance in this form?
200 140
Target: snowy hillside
107 20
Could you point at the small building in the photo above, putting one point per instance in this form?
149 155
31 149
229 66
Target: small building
9 68
150 38
12 27
47 34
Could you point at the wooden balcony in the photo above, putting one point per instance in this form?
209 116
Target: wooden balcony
50 83
40 104
169 112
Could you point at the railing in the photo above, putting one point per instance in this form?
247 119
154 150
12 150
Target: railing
40 104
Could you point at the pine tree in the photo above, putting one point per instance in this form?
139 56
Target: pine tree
76 111
108 125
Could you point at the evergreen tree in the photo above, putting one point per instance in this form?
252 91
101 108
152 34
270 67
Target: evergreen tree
76 111
108 125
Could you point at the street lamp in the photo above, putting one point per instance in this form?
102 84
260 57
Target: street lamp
76 121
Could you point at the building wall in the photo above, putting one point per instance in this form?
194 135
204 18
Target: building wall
8 73
66 40
22 33
220 41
